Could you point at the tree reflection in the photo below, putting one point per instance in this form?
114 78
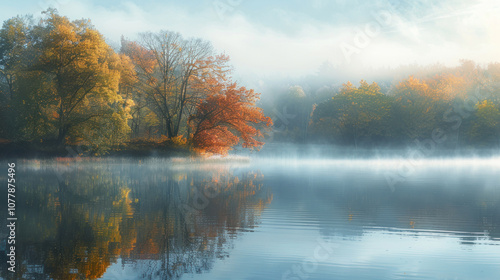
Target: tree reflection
76 225
347 205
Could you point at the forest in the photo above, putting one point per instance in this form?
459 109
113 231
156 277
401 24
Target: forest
62 85
454 107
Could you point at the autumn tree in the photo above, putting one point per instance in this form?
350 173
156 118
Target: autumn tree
170 70
60 81
356 114
83 77
413 110
421 103
227 116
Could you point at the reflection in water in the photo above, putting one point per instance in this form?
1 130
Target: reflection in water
441 223
164 220
165 223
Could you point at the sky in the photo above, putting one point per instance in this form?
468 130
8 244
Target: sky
294 37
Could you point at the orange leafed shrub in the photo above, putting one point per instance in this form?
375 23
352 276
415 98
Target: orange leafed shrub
225 117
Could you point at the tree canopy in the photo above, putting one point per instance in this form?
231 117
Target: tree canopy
61 83
225 116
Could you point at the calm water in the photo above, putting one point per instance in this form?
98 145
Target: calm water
257 219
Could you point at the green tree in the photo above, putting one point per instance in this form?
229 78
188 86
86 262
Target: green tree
293 110
356 115
485 127
413 112
420 105
15 41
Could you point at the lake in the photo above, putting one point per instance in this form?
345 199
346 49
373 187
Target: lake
256 218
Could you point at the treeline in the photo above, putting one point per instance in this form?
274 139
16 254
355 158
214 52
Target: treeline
450 106
61 84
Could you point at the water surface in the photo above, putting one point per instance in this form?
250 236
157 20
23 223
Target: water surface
258 219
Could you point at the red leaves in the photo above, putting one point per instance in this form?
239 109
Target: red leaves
227 116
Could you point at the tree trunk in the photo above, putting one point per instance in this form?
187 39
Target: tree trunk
61 136
62 130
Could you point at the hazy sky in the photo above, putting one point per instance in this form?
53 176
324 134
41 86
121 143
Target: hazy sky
294 37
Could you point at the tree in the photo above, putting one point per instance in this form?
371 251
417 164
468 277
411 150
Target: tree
84 74
32 107
354 115
293 109
485 127
15 42
172 72
421 104
225 117
413 110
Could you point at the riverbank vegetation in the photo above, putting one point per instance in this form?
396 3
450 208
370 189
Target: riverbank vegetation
453 107
62 85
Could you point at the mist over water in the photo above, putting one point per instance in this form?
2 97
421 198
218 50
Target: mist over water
256 217
311 152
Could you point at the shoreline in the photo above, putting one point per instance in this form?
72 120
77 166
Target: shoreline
26 150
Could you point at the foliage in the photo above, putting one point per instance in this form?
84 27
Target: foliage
414 108
355 114
84 77
171 72
61 84
227 115
485 128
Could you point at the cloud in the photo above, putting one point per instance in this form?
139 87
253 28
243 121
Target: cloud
292 38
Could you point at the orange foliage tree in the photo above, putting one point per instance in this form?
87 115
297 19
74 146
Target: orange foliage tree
169 70
225 117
